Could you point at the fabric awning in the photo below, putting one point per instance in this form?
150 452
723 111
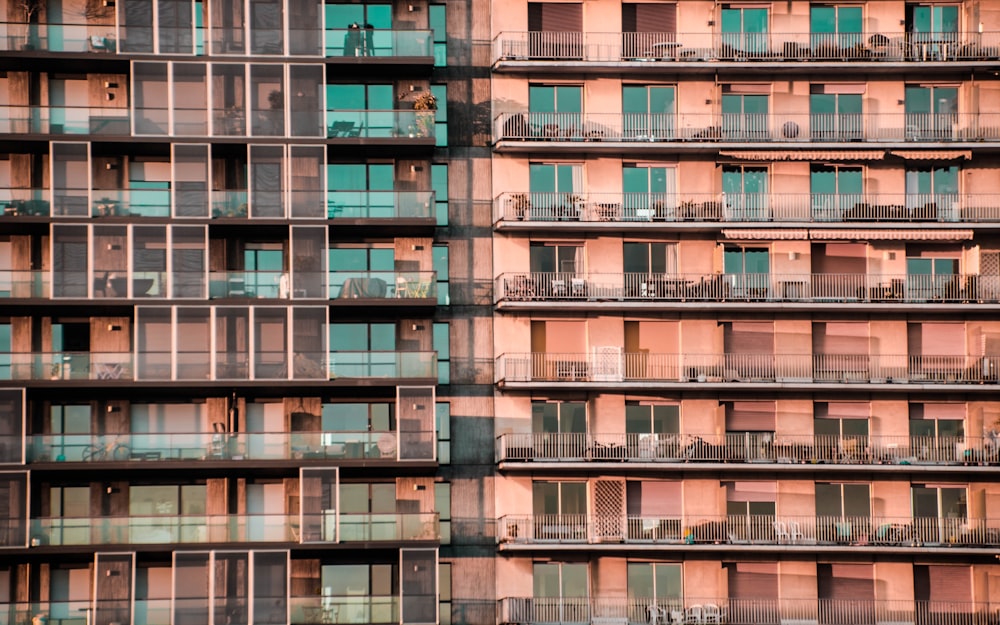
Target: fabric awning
933 155
772 234
861 234
804 155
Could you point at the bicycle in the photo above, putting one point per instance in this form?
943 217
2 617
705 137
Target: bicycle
114 450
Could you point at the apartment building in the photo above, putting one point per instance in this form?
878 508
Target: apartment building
237 310
746 284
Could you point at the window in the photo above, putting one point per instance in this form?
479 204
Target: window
843 500
558 580
931 112
932 22
440 264
648 111
560 498
439 29
559 417
357 417
939 512
444 581
362 259
553 189
649 191
646 24
834 114
363 350
835 189
442 345
442 417
263 265
6 372
747 270
439 184
835 26
650 258
362 510
937 431
361 191
442 505
841 420
746 192
932 191
651 419
359 30
440 115
555 109
360 110
933 278
553 258
654 583
750 498
563 18
744 115
744 30
360 593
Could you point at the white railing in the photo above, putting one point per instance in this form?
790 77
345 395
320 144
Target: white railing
755 529
691 47
746 368
743 447
747 287
747 127
748 207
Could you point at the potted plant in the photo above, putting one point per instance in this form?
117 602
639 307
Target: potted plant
521 205
30 9
425 121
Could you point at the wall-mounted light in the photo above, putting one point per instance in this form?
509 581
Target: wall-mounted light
109 166
901 102
417 248
889 255
415 168
711 22
109 96
411 8
111 490
708 102
108 3
793 255
415 327
111 409
114 328
419 487
110 85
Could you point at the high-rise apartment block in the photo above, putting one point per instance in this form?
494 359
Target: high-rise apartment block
747 275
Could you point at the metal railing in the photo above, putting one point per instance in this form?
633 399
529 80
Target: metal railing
631 207
697 128
755 529
837 288
594 47
230 528
375 124
743 447
616 367
235 446
699 610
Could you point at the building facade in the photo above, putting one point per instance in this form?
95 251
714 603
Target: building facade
238 312
746 280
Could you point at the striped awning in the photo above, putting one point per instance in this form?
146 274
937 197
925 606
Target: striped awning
766 234
903 234
933 155
804 155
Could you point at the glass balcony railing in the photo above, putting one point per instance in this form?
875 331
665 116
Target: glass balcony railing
25 202
378 44
236 446
56 37
130 203
350 610
639 208
689 47
701 609
233 528
66 366
65 120
755 447
375 124
421 285
754 529
692 129
380 205
821 288
382 364
617 367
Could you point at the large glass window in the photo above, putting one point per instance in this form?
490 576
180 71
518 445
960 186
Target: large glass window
556 258
649 192
361 190
648 111
744 30
439 29
360 110
835 190
932 191
555 109
650 258
744 116
843 500
553 189
439 184
835 26
651 418
939 512
834 116
931 112
359 30
657 584
560 591
746 192
932 22
363 350
360 593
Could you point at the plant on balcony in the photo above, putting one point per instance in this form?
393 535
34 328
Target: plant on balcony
29 9
521 205
425 121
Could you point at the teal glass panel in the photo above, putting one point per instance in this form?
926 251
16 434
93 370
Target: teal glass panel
440 115
341 177
849 103
849 19
850 181
439 184
348 259
918 100
345 97
823 180
634 99
757 260
382 259
348 337
732 261
822 19
755 104
383 337
635 179
438 22
541 99
822 103
541 178
569 99
640 580
380 97
946 180
5 351
661 100
732 20
442 345
381 177
668 581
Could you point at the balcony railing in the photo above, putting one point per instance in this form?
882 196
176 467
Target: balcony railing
374 124
233 528
612 366
735 128
832 288
383 285
640 208
347 609
758 529
235 446
702 610
381 364
378 44
592 47
755 447
379 205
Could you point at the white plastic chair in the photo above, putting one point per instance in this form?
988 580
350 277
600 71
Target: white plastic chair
795 531
711 614
781 531
693 615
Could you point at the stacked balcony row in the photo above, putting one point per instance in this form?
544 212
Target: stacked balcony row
392 32
227 430
263 586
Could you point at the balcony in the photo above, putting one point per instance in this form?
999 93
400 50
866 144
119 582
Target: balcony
749 530
813 289
634 132
327 527
680 51
368 287
395 127
348 207
517 450
375 365
238 447
514 210
610 367
695 610
379 47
